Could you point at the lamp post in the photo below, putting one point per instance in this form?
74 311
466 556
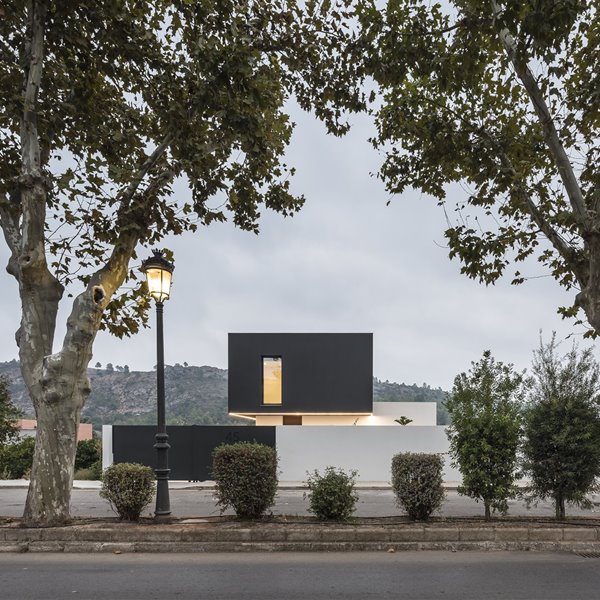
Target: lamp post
158 271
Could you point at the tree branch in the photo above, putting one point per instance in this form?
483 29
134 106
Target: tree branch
39 290
546 228
127 194
31 181
553 142
9 221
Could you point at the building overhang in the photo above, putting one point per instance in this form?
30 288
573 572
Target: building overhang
300 414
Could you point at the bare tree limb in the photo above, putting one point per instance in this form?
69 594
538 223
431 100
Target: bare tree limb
39 290
9 222
561 246
556 147
127 194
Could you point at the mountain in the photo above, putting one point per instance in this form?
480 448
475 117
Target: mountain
195 395
385 391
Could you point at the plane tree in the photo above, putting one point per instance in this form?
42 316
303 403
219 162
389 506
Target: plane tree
493 108
103 105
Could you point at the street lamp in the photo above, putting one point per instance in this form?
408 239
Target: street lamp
158 271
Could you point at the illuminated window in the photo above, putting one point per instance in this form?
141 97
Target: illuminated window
271 379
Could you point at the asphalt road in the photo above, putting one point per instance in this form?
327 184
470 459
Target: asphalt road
200 503
347 576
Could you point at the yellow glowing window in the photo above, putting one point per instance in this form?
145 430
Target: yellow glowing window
271 379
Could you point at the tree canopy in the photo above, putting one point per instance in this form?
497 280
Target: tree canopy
103 105
484 433
562 426
499 97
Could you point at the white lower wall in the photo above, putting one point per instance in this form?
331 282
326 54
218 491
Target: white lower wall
107 446
369 450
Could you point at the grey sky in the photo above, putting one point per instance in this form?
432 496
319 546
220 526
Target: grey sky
346 262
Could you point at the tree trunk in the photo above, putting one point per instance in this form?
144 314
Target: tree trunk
589 296
49 496
559 505
488 512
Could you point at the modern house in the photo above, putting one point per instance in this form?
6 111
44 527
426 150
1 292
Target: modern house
311 379
321 383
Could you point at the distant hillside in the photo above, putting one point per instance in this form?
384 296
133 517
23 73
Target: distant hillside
385 391
195 395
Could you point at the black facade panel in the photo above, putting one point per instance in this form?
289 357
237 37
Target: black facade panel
321 372
190 456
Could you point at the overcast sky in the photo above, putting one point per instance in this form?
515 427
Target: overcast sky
345 263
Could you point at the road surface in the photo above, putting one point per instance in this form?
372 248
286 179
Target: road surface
347 576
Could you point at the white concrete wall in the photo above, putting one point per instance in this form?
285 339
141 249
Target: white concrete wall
369 450
107 446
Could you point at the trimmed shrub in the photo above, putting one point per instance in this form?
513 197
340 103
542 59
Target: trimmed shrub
245 475
96 470
332 495
84 475
417 483
129 487
16 459
93 473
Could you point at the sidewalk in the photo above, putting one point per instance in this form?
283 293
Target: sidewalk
181 485
198 500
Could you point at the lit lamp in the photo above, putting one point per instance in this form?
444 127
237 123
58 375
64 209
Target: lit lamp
159 271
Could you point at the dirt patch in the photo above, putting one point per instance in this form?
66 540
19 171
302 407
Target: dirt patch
298 522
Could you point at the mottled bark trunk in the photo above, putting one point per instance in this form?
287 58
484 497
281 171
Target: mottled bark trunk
49 496
58 387
488 511
589 296
559 506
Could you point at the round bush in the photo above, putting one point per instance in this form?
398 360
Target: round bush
332 496
16 459
129 487
88 452
417 483
245 476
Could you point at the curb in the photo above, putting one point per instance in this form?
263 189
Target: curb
176 538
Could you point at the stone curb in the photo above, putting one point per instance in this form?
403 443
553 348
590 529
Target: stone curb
209 538
216 547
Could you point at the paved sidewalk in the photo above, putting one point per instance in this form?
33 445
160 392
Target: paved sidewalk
191 500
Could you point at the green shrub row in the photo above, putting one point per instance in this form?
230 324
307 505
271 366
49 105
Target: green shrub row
545 428
16 459
245 476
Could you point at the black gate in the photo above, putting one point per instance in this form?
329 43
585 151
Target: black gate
190 456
